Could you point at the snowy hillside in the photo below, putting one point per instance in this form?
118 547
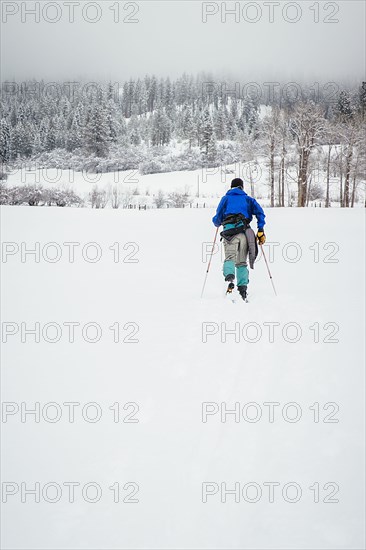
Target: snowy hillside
144 339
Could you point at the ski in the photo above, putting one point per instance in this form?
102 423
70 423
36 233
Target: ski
233 296
230 292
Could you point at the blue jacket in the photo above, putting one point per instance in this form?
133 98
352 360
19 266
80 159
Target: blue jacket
236 201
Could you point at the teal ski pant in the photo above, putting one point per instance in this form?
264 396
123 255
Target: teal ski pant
236 254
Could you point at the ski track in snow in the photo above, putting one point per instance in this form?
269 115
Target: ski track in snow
170 372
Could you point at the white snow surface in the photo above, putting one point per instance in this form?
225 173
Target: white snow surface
170 372
208 184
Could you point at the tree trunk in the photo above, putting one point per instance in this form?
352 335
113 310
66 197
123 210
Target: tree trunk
283 174
308 193
354 186
341 182
251 181
305 177
299 180
302 178
327 202
353 192
348 176
272 174
289 198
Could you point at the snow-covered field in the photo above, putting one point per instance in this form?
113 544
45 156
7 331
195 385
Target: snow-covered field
204 185
208 182
297 359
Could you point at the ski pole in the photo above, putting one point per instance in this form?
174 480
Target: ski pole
209 263
269 273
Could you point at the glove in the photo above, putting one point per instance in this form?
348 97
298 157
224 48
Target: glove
261 236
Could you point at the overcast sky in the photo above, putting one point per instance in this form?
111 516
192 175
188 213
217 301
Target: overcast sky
170 37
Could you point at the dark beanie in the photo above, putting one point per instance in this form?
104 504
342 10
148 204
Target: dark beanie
237 182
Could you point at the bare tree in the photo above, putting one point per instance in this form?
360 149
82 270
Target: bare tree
329 138
307 125
159 199
179 199
115 197
351 134
270 131
338 165
250 153
283 131
98 197
359 170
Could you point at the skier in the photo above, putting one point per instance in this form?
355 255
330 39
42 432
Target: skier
235 212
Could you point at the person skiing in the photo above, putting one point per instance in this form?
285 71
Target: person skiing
235 212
